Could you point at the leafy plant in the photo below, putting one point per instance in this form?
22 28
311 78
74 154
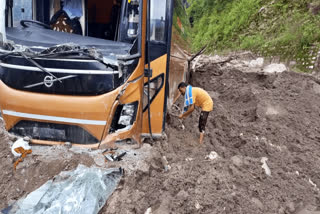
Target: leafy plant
284 28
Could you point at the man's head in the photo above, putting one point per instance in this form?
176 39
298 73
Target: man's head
182 87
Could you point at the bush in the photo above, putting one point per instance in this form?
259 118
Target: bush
283 28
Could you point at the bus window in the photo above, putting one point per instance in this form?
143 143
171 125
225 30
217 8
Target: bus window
103 18
22 9
129 26
158 20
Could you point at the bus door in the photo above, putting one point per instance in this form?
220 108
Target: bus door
160 24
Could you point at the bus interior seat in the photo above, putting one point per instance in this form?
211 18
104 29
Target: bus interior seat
60 21
102 17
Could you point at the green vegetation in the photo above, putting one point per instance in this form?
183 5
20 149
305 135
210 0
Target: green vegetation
180 16
286 28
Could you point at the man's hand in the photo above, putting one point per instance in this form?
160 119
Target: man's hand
181 116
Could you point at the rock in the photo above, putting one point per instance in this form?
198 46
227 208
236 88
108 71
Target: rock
256 63
236 160
316 88
68 145
197 205
281 210
189 159
275 68
26 138
165 164
12 137
291 207
183 195
265 166
271 111
148 211
257 202
213 155
99 160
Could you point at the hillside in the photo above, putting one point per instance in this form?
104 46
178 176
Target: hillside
289 29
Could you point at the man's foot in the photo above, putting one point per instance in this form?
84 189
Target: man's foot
201 137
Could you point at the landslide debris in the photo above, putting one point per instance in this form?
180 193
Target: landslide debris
260 119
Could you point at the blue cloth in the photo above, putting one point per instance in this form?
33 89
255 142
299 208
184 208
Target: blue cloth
188 99
73 8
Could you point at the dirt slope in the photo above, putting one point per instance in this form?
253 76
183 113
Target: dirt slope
255 115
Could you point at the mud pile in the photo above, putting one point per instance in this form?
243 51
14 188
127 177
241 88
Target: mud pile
257 116
36 169
259 119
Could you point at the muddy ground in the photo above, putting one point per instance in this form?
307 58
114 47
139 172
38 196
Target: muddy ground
36 169
256 115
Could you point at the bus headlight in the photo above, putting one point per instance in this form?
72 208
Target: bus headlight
124 117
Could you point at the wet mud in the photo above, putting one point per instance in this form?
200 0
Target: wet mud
264 128
257 116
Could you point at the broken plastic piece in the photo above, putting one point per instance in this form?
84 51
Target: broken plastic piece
265 166
23 153
119 157
109 157
115 157
19 143
165 163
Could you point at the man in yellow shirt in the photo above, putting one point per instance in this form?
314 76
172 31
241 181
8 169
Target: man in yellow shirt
194 96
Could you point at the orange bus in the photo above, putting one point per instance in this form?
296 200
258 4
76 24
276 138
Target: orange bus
89 72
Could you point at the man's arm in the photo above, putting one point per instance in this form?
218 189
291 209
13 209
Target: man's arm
187 113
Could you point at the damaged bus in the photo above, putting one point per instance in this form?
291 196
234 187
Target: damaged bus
88 72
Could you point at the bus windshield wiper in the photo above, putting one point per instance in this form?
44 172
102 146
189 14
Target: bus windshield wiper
39 66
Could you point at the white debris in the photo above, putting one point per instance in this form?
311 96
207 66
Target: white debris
297 173
148 211
20 143
272 111
275 68
313 184
165 163
265 166
275 146
213 155
189 159
196 62
197 205
256 63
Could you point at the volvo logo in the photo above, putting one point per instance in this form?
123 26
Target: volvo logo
48 81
